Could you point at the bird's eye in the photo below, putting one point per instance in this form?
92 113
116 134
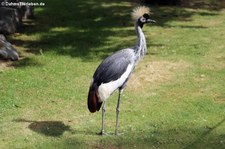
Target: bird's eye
143 19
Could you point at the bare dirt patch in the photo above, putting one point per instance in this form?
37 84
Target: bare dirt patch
155 73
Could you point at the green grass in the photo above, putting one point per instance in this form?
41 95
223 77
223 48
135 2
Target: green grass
175 99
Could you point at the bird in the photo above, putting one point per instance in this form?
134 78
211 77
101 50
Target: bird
114 71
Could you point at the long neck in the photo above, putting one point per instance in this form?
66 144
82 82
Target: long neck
140 48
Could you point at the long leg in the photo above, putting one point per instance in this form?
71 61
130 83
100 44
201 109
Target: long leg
103 115
117 111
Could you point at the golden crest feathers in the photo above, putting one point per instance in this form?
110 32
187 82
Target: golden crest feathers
139 11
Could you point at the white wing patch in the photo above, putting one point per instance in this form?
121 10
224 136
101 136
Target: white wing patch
106 89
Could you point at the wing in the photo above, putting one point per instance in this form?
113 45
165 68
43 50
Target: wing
113 67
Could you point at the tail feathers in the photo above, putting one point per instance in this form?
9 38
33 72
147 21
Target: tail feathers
93 104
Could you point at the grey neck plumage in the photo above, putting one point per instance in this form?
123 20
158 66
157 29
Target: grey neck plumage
140 49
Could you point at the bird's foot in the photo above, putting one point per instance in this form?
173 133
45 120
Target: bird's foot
117 133
102 133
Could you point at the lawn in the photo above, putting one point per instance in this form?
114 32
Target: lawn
175 98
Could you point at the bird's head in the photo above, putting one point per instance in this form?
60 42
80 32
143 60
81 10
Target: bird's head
145 19
142 15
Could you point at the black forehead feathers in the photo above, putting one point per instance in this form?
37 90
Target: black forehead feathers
146 16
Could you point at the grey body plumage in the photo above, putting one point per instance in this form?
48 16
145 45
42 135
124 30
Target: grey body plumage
114 72
118 61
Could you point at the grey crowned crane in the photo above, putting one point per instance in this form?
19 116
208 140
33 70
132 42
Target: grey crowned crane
114 72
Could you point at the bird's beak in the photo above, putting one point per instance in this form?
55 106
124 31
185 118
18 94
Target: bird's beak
151 21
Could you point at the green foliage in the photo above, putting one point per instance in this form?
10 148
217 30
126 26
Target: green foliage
174 100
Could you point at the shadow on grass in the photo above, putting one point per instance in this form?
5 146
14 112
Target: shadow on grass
26 61
164 15
204 4
159 138
79 30
187 137
47 128
85 29
200 139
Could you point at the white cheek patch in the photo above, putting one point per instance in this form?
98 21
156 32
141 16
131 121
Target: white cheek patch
142 19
